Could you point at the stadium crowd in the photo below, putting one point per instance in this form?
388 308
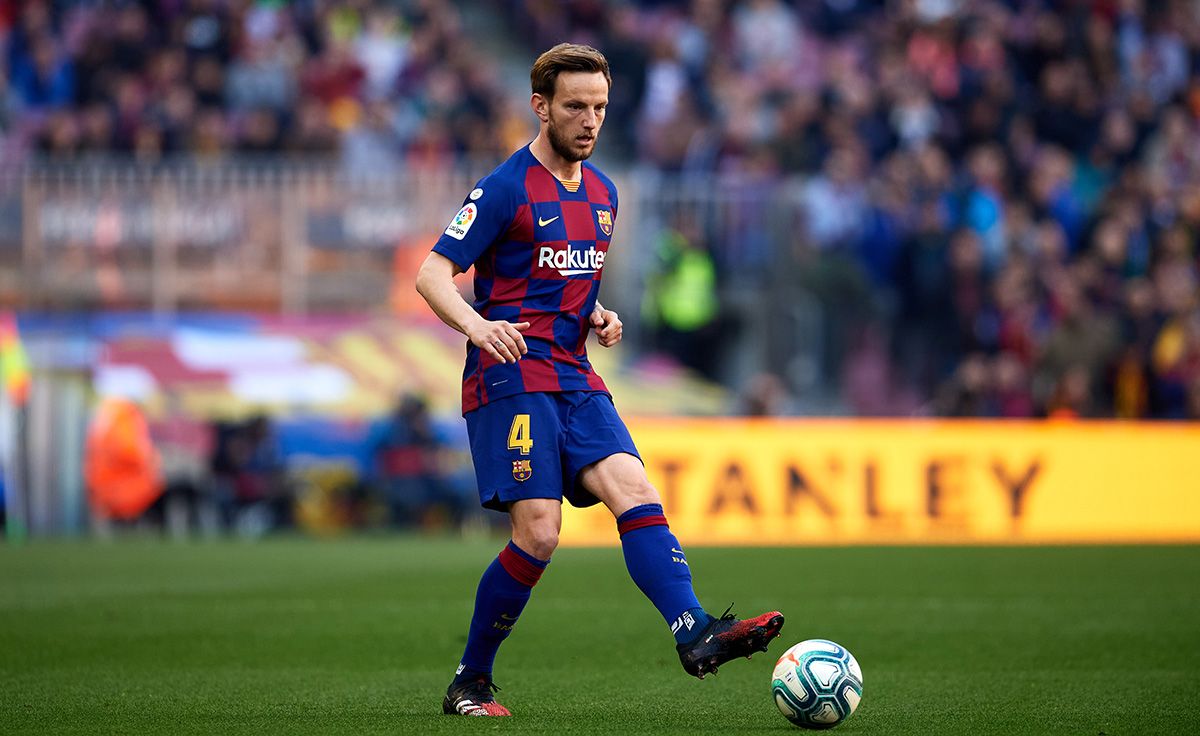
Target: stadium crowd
1007 191
381 82
1013 186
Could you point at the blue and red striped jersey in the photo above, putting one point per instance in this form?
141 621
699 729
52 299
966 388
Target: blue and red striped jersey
538 250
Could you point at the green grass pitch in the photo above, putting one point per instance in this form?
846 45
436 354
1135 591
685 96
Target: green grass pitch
293 636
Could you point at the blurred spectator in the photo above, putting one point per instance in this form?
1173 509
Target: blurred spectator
835 201
1071 397
380 50
45 78
681 303
628 57
1076 353
121 464
370 145
406 468
249 477
967 393
183 445
983 208
1013 399
765 395
1176 361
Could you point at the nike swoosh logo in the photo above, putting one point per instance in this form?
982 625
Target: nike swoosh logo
544 223
506 617
677 550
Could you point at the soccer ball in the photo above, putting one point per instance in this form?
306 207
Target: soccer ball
817 684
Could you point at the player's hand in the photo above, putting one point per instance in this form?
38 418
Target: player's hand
500 339
607 326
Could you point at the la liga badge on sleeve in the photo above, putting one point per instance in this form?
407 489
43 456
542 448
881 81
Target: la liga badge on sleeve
522 469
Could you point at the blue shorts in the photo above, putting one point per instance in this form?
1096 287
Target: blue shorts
534 445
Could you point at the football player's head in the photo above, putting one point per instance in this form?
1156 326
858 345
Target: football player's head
570 94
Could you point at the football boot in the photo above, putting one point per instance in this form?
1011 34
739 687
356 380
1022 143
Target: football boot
473 698
728 638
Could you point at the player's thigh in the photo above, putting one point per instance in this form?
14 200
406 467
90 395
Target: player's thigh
516 448
601 458
620 482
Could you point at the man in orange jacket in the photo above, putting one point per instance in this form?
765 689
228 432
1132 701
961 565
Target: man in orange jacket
121 465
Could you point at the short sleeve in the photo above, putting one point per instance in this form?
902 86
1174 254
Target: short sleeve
486 214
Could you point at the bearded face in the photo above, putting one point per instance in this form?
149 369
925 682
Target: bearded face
576 113
567 142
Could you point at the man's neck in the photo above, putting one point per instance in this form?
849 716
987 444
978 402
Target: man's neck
546 155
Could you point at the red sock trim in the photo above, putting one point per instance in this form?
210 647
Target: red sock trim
627 526
521 569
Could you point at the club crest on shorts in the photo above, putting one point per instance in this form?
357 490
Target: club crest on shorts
604 217
522 469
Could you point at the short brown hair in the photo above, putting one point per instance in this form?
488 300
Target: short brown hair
565 57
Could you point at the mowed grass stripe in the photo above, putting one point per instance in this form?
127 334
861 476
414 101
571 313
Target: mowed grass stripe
361 636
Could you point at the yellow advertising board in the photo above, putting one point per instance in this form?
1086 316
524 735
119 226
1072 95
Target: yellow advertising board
777 482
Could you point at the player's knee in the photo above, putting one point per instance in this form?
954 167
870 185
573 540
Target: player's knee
639 493
540 541
537 537
535 526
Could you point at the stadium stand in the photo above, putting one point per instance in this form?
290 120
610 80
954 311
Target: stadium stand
994 204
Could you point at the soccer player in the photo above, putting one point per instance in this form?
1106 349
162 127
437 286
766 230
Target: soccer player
542 425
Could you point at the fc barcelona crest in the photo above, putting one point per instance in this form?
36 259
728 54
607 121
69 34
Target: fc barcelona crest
604 217
522 469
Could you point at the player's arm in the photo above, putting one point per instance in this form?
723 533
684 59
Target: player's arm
607 325
500 339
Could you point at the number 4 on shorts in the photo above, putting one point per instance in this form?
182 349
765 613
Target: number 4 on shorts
518 434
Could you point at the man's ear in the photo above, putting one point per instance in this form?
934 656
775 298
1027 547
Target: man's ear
541 107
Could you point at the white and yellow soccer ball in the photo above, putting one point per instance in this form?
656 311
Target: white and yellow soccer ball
817 684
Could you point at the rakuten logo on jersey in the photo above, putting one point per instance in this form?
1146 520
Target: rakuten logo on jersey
571 262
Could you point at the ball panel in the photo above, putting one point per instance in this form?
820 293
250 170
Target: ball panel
787 702
785 707
800 691
782 667
851 696
825 714
854 668
825 673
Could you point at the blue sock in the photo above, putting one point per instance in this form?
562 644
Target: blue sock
503 592
658 567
